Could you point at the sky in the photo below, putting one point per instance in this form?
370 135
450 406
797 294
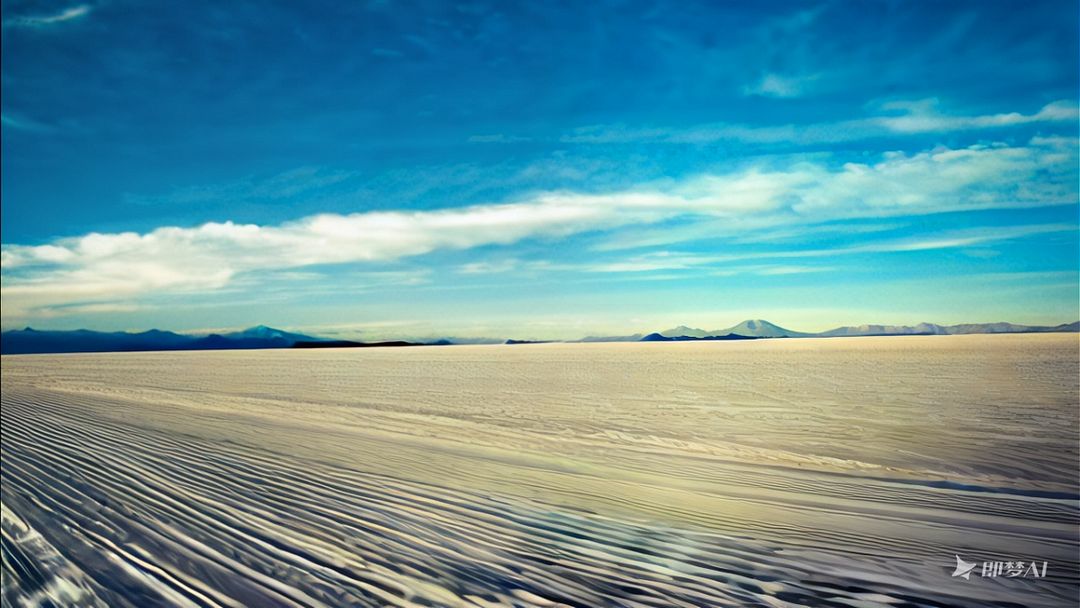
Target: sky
537 170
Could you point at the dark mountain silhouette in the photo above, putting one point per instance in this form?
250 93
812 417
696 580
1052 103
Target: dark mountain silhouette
82 340
30 341
656 337
659 337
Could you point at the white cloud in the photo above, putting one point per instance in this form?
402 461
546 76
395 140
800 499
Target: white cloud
68 14
922 117
98 268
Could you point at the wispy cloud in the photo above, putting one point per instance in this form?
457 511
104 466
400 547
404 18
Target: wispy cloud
900 118
923 117
791 269
51 312
955 239
285 185
68 14
777 85
498 138
22 123
949 240
490 267
122 266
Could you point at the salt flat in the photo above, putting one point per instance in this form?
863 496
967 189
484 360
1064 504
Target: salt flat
845 471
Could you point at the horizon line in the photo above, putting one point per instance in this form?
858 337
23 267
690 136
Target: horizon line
203 332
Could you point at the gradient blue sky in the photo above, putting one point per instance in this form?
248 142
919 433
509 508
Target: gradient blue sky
544 170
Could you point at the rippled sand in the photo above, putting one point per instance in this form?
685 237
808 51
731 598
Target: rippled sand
844 472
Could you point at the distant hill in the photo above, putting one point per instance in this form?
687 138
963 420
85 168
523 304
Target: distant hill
31 341
926 329
760 328
262 332
751 328
630 338
659 337
682 331
1011 328
459 340
922 329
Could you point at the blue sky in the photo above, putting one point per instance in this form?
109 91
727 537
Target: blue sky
415 169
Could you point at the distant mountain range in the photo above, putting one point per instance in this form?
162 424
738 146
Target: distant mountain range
751 328
27 341
942 330
31 341
759 328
